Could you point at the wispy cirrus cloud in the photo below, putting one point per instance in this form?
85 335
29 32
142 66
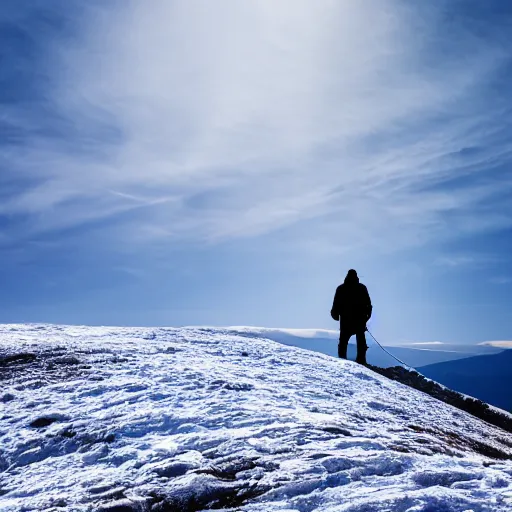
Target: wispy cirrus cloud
234 119
473 260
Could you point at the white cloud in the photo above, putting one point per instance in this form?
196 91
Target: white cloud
467 260
499 344
455 260
238 118
427 343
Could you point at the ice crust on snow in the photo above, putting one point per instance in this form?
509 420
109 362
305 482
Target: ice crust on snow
193 419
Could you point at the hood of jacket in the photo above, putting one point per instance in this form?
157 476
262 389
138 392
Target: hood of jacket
351 278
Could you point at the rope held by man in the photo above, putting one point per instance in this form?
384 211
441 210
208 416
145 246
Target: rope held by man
389 353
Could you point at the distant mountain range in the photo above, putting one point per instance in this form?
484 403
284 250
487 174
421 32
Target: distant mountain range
487 377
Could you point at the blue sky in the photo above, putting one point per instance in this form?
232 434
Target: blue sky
225 163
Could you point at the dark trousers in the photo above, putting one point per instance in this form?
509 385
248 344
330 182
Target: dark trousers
361 345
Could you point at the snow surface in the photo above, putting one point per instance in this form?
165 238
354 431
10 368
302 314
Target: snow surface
193 419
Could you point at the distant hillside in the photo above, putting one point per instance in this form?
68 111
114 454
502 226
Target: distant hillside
488 377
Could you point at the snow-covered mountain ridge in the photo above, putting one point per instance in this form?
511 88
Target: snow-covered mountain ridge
124 419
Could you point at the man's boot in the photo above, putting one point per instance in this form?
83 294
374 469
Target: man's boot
361 354
342 349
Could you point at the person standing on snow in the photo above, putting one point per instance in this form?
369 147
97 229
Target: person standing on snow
352 307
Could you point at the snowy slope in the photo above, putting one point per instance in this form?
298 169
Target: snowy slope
190 419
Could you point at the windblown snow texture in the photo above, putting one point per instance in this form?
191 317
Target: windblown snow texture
118 419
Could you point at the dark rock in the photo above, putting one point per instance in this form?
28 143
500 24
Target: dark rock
43 421
116 493
228 470
66 360
100 489
123 505
68 433
238 386
173 470
337 430
22 358
230 496
317 456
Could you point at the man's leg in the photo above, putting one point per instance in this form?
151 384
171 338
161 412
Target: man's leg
361 347
342 345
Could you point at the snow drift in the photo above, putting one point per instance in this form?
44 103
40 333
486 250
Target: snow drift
121 419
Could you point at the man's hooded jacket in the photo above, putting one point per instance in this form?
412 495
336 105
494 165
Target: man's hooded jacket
352 305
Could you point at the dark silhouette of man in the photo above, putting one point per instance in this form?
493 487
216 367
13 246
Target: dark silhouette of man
352 307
